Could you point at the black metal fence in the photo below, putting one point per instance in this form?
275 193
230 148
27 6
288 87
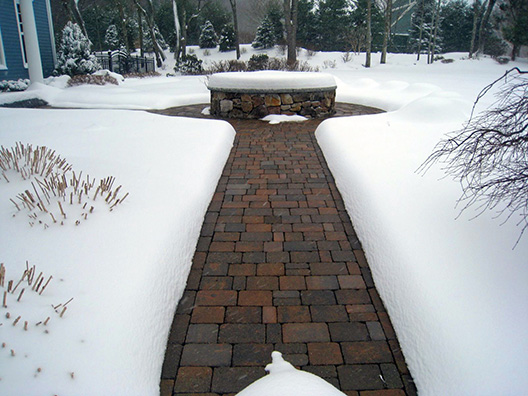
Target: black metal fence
123 63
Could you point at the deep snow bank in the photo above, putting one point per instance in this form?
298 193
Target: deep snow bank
126 269
455 291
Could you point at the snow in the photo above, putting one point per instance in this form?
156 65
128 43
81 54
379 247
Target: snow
278 118
125 269
270 81
454 288
284 379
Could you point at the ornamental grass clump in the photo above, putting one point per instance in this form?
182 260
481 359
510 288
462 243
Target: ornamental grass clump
55 193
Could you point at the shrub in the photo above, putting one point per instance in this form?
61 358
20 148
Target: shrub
265 37
74 55
90 79
189 65
227 66
227 38
258 62
14 86
208 37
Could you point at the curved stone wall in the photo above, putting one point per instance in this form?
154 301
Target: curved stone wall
314 103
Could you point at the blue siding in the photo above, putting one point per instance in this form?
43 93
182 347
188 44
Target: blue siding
43 32
11 40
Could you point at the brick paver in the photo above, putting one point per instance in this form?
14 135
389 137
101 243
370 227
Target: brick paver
279 267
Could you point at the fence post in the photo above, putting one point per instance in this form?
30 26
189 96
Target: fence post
110 66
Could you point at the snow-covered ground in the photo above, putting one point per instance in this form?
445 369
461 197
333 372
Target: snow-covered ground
455 289
125 269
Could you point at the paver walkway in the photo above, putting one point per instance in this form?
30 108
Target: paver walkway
278 266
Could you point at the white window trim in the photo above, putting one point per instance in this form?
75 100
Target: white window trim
3 63
20 26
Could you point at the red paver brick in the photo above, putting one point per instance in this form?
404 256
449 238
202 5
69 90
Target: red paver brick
255 298
366 352
292 283
267 269
305 332
262 283
322 353
293 314
269 314
193 379
216 297
351 282
208 315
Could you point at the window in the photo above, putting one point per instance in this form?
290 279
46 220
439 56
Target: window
21 32
3 63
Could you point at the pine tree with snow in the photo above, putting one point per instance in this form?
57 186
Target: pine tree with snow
208 37
227 38
147 40
111 39
74 55
266 36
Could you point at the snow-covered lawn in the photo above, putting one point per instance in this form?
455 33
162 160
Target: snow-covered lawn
125 269
455 289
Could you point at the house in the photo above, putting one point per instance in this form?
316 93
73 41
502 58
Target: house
27 45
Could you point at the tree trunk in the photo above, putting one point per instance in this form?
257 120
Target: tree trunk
149 17
420 36
140 23
235 23
177 28
123 25
482 27
369 33
78 17
290 20
476 14
437 22
75 15
514 52
386 32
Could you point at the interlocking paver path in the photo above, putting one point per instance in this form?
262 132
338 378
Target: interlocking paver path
278 266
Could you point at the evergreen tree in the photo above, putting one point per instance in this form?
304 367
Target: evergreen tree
333 24
208 37
227 38
265 37
307 24
421 26
358 20
275 14
456 22
111 39
148 45
515 26
74 55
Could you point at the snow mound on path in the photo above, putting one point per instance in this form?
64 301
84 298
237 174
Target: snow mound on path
285 380
278 118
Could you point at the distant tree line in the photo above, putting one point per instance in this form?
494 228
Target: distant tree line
437 26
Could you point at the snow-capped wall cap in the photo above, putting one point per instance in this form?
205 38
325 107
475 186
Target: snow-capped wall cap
271 81
286 380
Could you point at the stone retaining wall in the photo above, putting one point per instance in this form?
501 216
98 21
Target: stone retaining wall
313 104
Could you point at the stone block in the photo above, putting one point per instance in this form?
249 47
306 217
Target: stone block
272 100
226 106
286 99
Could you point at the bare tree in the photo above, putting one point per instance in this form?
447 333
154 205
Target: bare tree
122 19
488 156
369 33
421 10
72 8
386 31
476 15
290 21
483 25
177 29
433 34
233 4
148 14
